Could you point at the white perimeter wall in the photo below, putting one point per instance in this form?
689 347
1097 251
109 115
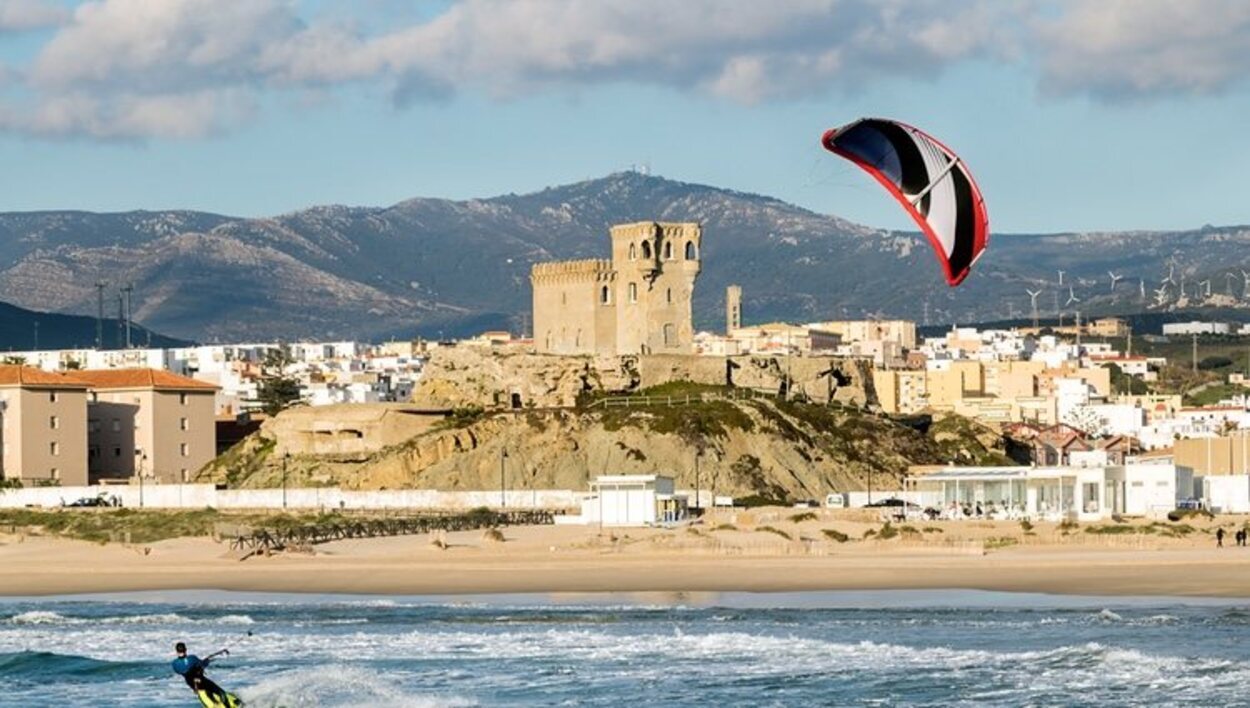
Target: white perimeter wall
1227 494
199 496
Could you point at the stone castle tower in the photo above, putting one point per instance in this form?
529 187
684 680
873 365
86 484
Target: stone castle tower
639 302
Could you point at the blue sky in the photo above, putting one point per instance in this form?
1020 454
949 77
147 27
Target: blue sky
1073 115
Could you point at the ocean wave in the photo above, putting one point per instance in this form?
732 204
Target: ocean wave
340 686
47 617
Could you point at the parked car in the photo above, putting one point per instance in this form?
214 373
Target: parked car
837 500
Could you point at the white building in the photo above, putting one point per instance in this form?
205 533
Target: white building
632 500
1196 327
1084 493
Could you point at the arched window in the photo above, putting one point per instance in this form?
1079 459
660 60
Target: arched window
605 295
670 335
564 298
633 252
668 251
691 253
646 249
633 292
668 295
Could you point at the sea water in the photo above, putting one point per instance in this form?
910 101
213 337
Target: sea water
924 649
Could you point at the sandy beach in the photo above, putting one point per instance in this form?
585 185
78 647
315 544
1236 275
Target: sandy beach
732 552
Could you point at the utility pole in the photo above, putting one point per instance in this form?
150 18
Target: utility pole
36 335
697 503
285 457
1078 328
503 498
1130 341
121 318
1195 354
127 291
99 315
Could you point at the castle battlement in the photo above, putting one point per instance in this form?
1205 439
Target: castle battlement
638 302
591 269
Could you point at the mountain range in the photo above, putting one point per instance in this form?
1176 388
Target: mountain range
437 266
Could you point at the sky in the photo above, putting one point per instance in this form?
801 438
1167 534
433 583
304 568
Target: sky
1072 114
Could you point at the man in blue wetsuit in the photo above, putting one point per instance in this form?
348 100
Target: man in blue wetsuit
191 668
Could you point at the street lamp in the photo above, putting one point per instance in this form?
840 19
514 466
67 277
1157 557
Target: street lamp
285 457
143 456
503 500
697 503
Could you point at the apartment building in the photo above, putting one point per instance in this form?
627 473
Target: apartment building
148 422
43 427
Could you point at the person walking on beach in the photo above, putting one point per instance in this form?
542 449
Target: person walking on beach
1219 538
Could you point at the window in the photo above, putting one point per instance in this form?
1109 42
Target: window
605 296
184 475
52 397
54 473
184 424
646 249
54 448
670 335
668 251
185 449
691 253
633 252
633 292
117 452
117 426
54 422
182 399
668 295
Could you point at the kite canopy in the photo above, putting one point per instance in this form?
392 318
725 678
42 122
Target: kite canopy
929 180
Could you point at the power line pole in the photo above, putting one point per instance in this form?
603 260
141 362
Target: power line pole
99 316
1195 354
127 291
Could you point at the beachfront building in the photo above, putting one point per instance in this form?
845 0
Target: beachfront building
1078 493
148 422
43 427
632 500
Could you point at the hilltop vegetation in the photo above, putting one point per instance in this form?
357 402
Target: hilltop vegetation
773 449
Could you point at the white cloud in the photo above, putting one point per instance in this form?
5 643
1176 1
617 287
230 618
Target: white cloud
186 68
20 15
1129 48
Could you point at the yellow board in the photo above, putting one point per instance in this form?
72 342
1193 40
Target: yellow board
212 702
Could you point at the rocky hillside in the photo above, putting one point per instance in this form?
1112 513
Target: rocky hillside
778 450
432 265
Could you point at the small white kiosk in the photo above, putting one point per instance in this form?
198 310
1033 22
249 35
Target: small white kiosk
633 500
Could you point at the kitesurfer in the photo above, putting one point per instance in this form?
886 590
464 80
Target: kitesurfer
191 668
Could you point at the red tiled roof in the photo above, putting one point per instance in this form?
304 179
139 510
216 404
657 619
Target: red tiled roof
141 378
17 375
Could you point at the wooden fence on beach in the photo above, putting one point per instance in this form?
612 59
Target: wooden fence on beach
251 541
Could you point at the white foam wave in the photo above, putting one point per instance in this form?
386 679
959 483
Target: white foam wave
46 617
1109 616
339 686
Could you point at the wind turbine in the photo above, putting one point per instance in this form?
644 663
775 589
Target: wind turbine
1061 278
1141 284
1171 272
1114 279
1245 284
1228 282
1071 297
1161 295
1033 301
1205 285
